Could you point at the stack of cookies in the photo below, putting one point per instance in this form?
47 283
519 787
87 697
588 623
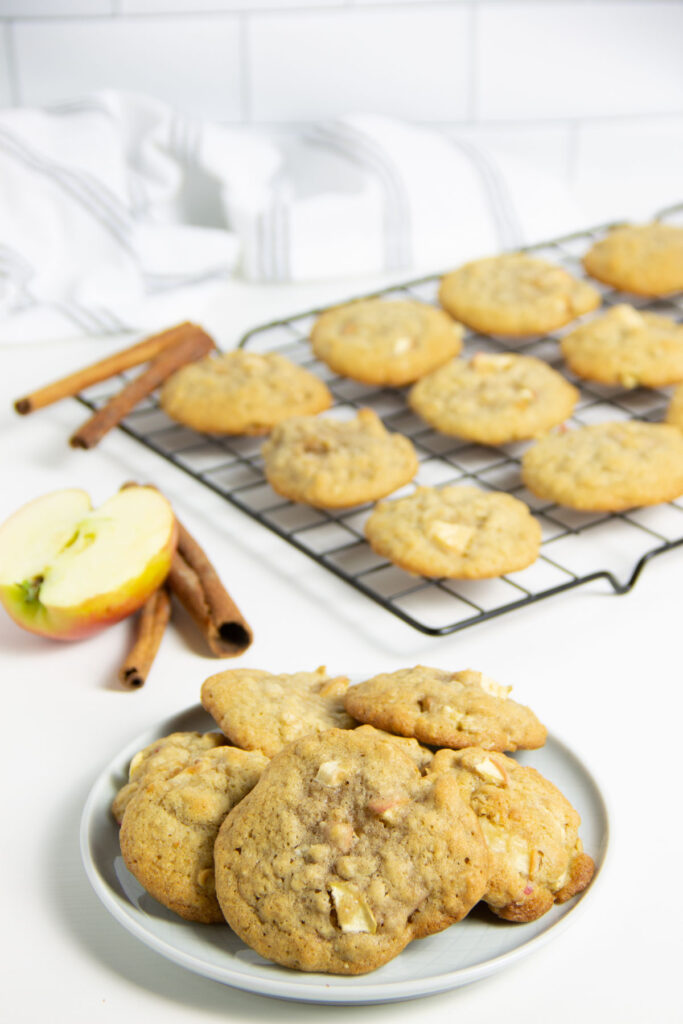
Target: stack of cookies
487 398
328 845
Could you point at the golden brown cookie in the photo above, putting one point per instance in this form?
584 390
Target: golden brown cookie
342 854
646 259
242 393
384 342
530 828
332 463
421 756
625 346
260 711
459 532
674 413
445 709
170 825
515 295
494 399
165 757
607 466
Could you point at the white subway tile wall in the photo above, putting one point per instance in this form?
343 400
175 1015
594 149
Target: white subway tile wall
591 92
413 63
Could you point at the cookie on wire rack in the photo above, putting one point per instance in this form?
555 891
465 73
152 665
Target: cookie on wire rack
457 531
646 259
385 342
331 463
242 392
626 346
607 467
515 295
494 398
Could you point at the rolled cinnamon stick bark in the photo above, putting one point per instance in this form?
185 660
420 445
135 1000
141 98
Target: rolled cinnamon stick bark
196 584
152 623
193 346
69 386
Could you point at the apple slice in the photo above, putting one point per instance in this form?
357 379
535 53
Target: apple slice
67 570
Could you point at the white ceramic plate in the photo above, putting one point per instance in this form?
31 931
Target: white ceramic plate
476 947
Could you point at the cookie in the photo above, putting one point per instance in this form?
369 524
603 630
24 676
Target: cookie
515 295
456 531
164 757
646 259
531 831
388 343
446 709
607 467
343 853
242 393
170 825
627 347
494 399
331 463
674 413
260 711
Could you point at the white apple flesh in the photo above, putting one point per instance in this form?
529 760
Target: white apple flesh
67 570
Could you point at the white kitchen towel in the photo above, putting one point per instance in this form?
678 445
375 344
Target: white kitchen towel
111 203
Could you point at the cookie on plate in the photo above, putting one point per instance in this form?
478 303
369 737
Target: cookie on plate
446 709
456 531
515 295
646 259
260 711
332 463
242 393
530 828
627 347
607 467
494 398
674 414
343 853
170 825
165 757
385 342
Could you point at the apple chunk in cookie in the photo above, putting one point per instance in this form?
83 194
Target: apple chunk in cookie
67 570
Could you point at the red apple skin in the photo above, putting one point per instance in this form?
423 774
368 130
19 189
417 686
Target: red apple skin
96 614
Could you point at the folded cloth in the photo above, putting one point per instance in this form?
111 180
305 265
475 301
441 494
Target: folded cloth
110 202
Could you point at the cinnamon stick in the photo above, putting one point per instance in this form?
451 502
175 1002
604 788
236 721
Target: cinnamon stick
153 621
197 586
141 352
191 347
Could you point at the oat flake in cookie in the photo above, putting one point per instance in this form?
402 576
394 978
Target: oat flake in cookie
260 711
457 531
343 853
446 709
531 831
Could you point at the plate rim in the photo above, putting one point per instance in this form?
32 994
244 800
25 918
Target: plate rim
329 992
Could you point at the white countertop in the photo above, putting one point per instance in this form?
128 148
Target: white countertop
602 671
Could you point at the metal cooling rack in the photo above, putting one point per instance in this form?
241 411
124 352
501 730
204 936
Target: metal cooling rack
577 547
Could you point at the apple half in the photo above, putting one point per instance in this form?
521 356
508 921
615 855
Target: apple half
68 570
